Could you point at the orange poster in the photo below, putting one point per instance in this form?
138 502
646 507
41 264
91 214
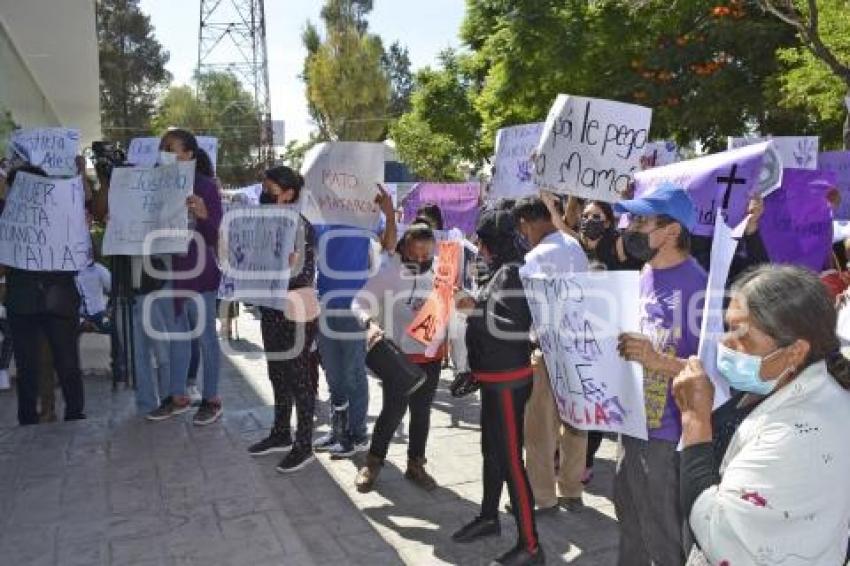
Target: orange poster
429 326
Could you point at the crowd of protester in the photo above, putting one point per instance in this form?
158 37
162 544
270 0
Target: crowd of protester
763 479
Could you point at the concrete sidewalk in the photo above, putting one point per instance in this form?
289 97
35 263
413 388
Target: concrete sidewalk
118 490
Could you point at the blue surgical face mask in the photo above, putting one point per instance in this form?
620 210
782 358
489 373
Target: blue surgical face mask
743 371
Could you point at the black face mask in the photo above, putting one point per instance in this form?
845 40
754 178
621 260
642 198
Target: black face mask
419 267
266 198
637 246
592 228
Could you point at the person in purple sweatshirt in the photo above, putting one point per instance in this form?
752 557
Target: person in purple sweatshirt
195 295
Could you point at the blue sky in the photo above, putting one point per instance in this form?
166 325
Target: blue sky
425 26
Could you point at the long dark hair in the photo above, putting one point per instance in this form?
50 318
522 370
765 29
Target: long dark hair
789 303
203 163
607 211
286 178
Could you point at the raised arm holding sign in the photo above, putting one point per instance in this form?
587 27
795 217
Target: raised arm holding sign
53 149
341 181
590 147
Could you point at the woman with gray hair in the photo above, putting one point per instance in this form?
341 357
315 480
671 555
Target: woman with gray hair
780 494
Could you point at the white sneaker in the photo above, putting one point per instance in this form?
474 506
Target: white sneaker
4 379
194 394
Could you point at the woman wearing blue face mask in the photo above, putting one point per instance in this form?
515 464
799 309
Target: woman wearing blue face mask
764 478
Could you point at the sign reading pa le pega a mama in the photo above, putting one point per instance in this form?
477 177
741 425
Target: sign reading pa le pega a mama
590 147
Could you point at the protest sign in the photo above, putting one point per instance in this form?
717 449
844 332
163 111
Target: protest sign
430 324
723 245
147 199
799 152
210 145
577 319
797 224
143 152
341 183
53 149
659 154
723 181
457 201
512 165
590 147
43 225
838 163
249 194
257 242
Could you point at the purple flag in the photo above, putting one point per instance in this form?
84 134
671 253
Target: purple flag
457 201
724 180
838 162
797 223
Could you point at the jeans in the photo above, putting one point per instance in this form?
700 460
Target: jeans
396 404
186 321
344 360
61 334
151 388
646 499
194 362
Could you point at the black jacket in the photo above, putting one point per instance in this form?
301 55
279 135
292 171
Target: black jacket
501 305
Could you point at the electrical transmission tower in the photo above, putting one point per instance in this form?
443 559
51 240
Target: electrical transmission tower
232 38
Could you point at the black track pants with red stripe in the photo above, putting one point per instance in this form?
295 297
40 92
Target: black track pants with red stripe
502 417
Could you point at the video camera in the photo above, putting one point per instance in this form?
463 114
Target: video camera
107 155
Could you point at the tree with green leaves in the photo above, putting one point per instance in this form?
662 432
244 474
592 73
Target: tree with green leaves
132 69
703 70
396 63
442 129
816 77
348 90
222 108
348 87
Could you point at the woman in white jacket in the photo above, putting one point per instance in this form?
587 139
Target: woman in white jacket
782 491
388 303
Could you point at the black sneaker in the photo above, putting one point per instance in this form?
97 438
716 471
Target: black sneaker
295 460
169 408
342 450
325 443
270 445
208 413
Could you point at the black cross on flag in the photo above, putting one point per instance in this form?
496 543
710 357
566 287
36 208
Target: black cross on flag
730 180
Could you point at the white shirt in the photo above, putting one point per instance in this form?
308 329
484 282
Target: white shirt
784 496
556 254
93 283
393 298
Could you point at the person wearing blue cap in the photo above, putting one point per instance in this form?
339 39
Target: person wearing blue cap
646 483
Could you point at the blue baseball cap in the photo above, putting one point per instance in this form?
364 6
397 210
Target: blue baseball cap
668 200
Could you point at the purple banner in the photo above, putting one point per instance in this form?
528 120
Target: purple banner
797 223
457 201
838 162
724 180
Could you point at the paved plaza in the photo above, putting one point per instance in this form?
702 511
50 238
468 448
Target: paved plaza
117 490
